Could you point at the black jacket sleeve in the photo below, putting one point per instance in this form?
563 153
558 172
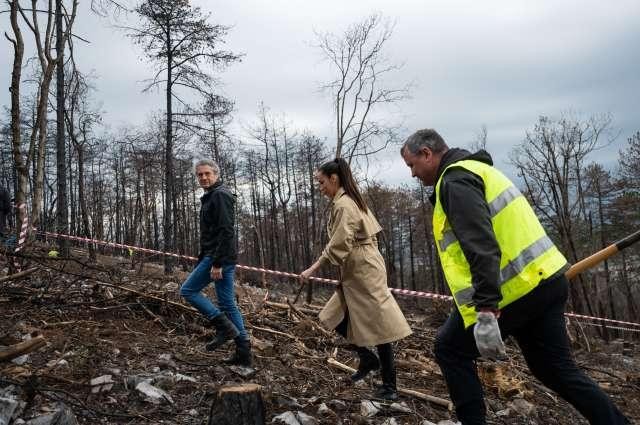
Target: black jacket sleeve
463 200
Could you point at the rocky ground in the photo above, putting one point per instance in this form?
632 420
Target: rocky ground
117 346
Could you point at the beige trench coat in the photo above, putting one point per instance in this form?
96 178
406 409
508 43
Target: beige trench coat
374 316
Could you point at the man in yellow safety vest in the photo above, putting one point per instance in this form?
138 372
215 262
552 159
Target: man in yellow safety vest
506 277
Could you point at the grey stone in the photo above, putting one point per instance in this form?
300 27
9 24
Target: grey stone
369 408
63 416
154 394
400 407
305 419
7 408
288 402
324 410
101 384
287 418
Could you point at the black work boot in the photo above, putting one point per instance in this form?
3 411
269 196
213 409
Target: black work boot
242 355
368 362
225 331
387 390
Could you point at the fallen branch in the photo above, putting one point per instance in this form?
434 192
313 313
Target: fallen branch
286 307
415 364
18 275
274 332
436 400
155 317
21 348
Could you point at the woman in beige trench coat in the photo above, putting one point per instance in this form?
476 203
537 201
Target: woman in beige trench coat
362 309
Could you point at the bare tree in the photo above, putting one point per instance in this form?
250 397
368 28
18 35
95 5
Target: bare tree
47 62
80 120
360 87
480 140
629 160
21 163
549 161
180 39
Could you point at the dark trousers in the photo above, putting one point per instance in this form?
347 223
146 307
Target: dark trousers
537 323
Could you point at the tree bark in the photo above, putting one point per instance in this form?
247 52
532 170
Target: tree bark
238 405
62 210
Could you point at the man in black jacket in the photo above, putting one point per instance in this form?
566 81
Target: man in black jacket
485 230
217 262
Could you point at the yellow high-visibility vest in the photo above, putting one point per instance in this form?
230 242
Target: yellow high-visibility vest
528 255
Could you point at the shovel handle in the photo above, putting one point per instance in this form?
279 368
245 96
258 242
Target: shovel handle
601 255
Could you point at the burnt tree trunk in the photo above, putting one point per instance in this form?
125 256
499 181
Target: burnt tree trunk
238 405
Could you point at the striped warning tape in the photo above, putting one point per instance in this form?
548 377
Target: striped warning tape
602 319
399 291
22 237
619 328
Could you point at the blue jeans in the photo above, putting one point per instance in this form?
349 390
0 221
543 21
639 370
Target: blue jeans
199 278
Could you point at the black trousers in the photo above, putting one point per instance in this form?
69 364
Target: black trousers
537 323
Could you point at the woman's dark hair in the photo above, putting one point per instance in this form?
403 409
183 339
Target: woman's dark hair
340 167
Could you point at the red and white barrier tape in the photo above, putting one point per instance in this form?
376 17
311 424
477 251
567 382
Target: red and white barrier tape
24 228
601 319
399 291
620 328
22 237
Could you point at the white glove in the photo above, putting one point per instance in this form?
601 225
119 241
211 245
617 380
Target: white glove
487 335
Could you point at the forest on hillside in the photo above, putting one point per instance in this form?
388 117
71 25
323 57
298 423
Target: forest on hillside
136 185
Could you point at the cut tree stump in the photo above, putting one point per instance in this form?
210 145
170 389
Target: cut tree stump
238 405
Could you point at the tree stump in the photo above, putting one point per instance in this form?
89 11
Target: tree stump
238 405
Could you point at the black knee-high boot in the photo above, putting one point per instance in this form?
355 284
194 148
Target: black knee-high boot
388 389
368 363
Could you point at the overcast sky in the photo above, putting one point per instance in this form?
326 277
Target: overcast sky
496 63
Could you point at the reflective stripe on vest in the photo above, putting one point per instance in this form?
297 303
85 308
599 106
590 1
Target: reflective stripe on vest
512 269
497 205
528 255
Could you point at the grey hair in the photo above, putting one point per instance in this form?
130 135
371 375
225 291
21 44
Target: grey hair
210 162
426 138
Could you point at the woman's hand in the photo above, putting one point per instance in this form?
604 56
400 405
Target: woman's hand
305 275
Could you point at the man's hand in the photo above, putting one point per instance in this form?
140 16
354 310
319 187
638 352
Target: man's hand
488 338
216 273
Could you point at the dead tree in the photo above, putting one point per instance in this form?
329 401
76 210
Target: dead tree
549 161
358 89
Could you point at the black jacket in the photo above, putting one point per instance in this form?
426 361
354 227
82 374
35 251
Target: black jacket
463 201
217 233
